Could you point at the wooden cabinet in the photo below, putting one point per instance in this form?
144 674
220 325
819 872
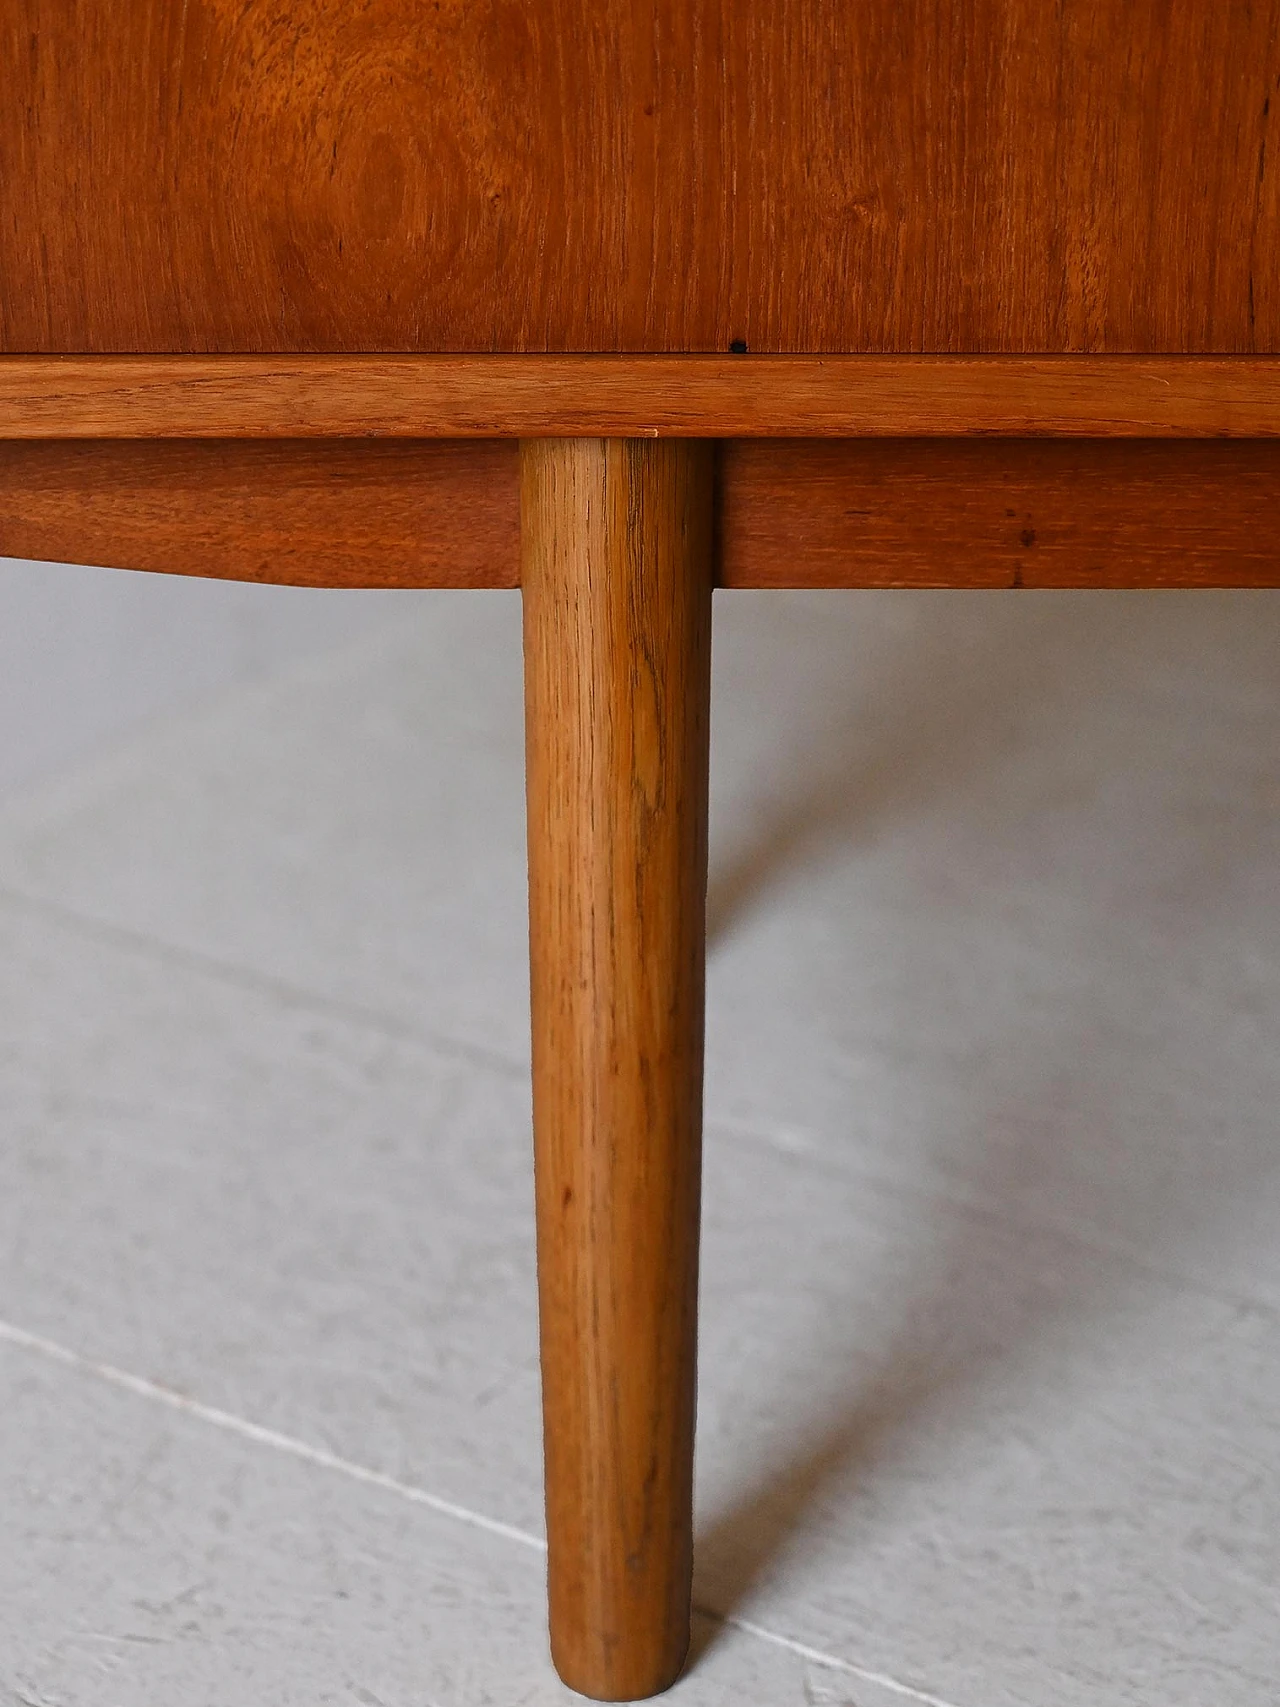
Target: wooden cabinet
960 292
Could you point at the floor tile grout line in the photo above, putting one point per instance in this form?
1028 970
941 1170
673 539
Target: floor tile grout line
913 1192
353 1013
319 1457
136 739
261 1435
830 1662
261 983
737 1132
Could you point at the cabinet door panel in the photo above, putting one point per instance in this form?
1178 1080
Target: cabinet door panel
822 175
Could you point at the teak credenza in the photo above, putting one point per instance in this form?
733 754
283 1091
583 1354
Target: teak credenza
619 303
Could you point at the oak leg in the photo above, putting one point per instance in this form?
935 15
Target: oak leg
616 571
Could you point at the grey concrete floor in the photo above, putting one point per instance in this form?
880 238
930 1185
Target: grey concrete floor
989 1412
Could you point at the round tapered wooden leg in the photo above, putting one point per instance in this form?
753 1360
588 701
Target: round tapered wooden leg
616 571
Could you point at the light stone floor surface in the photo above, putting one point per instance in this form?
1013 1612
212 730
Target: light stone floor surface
989 1412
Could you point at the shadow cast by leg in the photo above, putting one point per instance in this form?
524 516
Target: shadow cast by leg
980 1314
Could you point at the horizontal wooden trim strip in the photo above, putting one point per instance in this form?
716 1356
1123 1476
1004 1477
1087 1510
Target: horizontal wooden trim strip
792 513
303 512
502 396
1013 513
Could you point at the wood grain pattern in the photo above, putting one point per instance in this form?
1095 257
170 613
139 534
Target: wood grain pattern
313 513
793 513
621 396
895 175
617 598
1013 513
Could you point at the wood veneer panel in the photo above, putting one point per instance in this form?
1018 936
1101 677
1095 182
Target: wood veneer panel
312 513
678 396
1020 513
912 175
